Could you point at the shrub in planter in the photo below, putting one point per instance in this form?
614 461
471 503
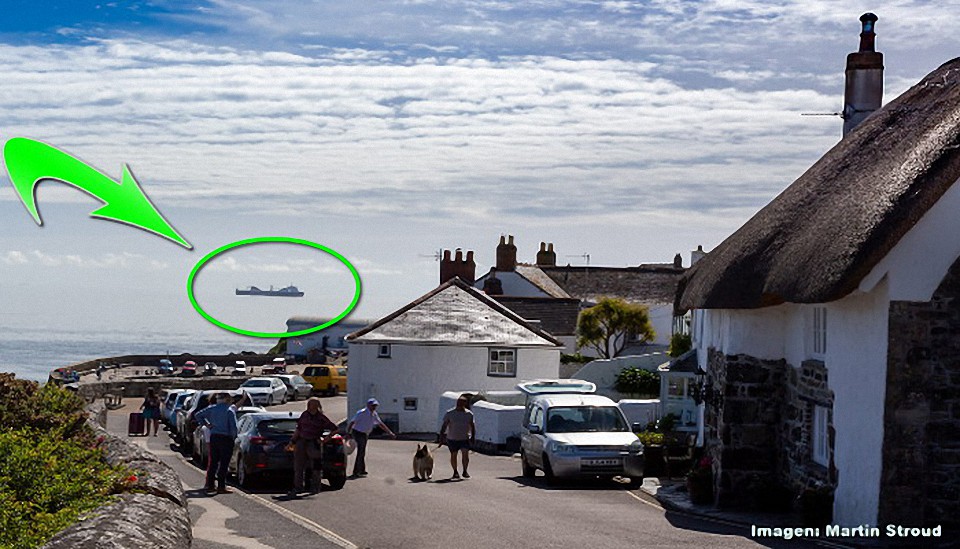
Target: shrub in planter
700 481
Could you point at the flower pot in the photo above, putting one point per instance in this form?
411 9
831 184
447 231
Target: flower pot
700 490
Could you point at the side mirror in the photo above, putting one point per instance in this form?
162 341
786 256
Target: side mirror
534 429
637 427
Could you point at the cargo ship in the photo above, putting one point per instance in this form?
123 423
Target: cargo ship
289 291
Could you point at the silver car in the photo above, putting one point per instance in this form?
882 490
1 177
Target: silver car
579 435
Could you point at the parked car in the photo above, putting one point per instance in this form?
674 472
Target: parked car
189 369
239 368
278 366
579 435
209 369
166 367
265 390
175 399
201 435
260 448
329 380
297 387
186 424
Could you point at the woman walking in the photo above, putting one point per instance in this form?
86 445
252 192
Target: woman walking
151 411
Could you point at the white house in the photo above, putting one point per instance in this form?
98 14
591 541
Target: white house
829 324
327 339
454 337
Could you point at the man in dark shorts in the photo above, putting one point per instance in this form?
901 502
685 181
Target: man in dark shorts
458 432
306 441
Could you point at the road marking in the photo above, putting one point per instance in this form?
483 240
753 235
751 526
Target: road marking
644 501
325 533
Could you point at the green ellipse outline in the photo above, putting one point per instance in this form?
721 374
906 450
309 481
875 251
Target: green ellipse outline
259 240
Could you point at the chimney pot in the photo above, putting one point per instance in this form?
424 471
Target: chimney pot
459 257
863 91
469 256
506 255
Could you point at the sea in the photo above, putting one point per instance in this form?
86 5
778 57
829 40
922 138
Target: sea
33 353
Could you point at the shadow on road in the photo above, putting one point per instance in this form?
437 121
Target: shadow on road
709 526
567 484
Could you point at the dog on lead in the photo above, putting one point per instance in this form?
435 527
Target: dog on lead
423 463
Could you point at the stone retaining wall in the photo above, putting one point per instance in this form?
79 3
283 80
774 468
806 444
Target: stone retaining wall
152 515
138 387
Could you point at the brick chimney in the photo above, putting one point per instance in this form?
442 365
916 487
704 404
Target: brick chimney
506 254
492 285
863 92
466 269
678 261
546 257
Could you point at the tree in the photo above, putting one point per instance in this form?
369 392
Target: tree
609 325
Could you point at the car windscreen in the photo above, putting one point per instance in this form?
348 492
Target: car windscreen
257 383
282 426
585 419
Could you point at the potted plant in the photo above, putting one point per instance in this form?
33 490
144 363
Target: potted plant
700 481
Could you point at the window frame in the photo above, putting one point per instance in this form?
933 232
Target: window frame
818 332
507 370
820 435
384 350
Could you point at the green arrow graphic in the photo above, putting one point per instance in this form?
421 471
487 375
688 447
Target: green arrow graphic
29 162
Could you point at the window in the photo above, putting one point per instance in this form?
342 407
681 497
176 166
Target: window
383 351
503 362
819 332
821 435
409 403
677 386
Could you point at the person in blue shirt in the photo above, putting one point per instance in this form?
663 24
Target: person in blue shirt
222 421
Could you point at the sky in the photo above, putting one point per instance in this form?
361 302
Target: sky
386 131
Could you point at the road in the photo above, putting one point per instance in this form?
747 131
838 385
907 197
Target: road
495 508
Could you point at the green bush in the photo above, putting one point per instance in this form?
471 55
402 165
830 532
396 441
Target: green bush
636 381
52 469
679 344
576 358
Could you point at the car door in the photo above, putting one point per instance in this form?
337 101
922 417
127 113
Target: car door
532 443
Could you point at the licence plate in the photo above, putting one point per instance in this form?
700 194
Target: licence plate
601 462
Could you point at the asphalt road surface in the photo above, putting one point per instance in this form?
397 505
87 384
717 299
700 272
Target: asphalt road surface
389 509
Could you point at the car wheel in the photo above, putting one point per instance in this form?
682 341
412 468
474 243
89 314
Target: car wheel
548 471
635 482
270 401
337 480
334 391
293 397
244 479
284 399
529 471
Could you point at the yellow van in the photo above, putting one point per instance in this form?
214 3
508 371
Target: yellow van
329 380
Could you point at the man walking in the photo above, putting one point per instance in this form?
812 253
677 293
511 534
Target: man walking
459 432
359 428
222 421
307 440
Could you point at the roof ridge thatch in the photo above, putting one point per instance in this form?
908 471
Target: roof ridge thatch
821 236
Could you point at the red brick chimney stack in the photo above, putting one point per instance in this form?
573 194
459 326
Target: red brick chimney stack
466 269
546 257
506 254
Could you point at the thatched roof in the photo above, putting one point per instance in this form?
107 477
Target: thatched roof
816 241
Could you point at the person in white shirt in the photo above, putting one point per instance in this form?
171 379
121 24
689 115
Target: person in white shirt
359 428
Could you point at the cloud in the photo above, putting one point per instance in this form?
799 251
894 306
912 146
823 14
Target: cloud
124 260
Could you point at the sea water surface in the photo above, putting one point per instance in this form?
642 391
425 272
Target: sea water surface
33 353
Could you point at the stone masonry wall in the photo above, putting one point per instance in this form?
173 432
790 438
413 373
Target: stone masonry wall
805 388
759 431
921 446
743 425
153 515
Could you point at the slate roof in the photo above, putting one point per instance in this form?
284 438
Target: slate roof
646 284
556 315
539 278
816 241
455 313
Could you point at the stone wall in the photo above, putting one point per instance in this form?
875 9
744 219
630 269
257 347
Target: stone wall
743 425
805 388
921 447
152 514
759 430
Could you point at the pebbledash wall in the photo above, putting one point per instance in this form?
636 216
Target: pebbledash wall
890 371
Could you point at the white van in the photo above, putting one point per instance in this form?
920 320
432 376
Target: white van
579 435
